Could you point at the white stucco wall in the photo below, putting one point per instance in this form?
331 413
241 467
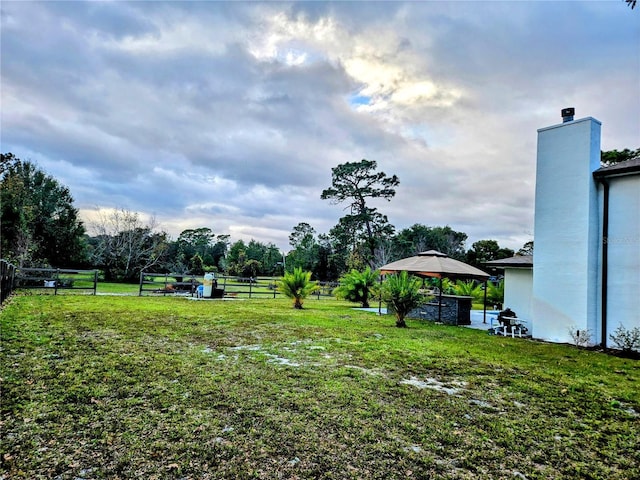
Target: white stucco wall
518 286
623 244
567 228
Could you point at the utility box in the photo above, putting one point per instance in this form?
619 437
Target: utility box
209 278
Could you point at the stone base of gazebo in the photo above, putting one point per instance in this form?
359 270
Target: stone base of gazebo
455 310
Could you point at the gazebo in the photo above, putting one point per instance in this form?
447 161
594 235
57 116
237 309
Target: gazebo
436 264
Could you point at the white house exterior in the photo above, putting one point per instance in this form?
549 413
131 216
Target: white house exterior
586 273
619 196
518 284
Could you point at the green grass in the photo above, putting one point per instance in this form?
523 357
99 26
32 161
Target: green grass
118 288
127 387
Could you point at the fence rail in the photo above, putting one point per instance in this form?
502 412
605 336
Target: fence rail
167 283
56 279
7 280
223 286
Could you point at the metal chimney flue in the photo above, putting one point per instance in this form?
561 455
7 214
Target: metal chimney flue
567 114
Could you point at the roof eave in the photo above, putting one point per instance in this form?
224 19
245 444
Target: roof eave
630 167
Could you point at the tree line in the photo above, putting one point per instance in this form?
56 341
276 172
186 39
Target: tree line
41 227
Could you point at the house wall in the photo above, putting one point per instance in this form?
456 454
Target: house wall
518 286
567 228
623 244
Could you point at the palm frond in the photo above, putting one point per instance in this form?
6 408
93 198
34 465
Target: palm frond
495 292
470 288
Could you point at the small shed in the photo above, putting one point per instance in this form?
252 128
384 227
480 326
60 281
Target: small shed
518 283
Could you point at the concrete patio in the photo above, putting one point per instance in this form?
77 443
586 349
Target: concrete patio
477 317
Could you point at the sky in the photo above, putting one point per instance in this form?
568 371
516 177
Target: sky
231 115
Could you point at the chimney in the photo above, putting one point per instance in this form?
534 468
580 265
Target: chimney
566 226
567 114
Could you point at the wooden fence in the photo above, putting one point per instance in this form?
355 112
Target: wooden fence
167 283
223 286
56 280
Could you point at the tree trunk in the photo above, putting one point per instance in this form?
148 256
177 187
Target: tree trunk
400 323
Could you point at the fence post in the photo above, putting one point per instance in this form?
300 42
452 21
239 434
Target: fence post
250 283
6 285
14 269
95 282
141 283
56 281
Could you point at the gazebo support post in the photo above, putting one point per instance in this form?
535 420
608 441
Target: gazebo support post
380 297
484 313
440 302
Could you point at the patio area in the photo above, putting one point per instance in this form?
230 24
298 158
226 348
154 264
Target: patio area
476 317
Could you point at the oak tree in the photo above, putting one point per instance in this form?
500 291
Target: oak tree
40 225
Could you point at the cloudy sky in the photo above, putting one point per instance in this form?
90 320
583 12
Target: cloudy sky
230 115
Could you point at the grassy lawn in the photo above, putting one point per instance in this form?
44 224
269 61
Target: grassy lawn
118 288
168 388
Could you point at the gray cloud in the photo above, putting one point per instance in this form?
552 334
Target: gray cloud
231 115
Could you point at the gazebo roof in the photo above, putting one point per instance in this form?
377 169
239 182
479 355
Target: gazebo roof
434 264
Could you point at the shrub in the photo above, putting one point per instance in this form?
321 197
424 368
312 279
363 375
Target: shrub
495 292
297 285
581 338
402 292
626 340
448 287
469 288
358 286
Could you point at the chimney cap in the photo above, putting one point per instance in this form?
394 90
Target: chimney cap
567 114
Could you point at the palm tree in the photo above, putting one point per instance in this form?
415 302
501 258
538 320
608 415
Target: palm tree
448 287
357 286
402 292
495 292
297 285
469 288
